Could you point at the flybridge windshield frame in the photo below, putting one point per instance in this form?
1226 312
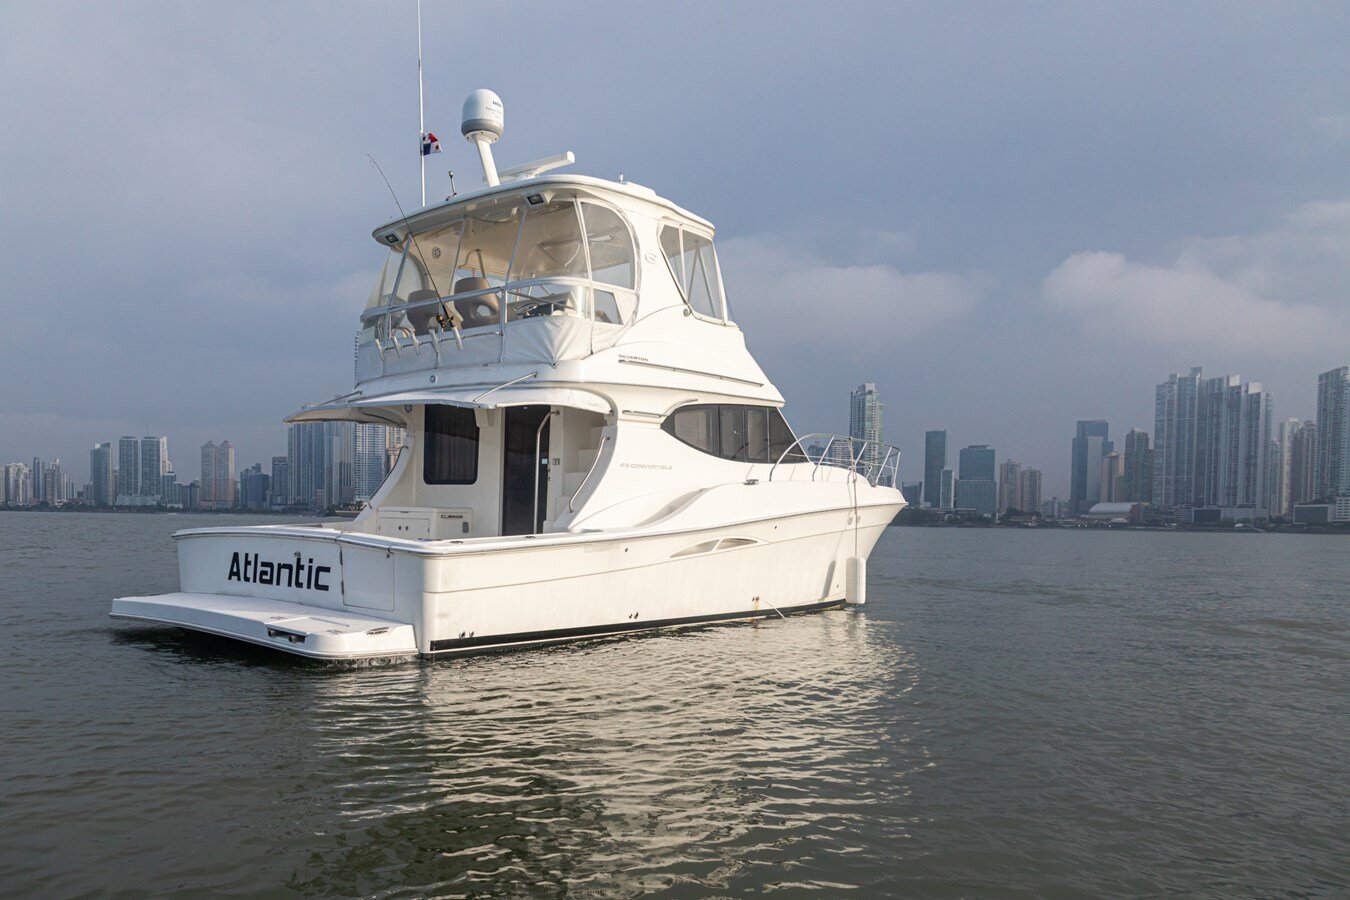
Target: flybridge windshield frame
543 238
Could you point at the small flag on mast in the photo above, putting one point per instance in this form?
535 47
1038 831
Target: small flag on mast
430 144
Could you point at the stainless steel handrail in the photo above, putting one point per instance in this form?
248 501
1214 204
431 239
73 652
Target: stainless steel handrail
874 466
598 451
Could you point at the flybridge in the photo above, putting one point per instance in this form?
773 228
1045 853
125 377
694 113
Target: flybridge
250 568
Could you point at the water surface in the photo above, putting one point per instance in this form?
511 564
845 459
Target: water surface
1014 713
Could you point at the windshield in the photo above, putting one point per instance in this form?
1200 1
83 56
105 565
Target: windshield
509 260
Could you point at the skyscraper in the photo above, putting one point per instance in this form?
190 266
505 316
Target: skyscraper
864 423
946 489
934 461
254 485
1029 490
154 463
1112 480
1232 444
1174 436
368 459
340 447
1303 464
320 460
101 475
217 489
1138 467
128 470
1216 424
1333 433
281 481
304 451
1091 442
1008 474
18 485
1282 469
1251 475
975 487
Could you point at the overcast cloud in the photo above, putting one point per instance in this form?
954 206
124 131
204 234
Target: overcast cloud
1008 216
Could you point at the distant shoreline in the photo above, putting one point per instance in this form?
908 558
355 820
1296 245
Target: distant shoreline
1340 528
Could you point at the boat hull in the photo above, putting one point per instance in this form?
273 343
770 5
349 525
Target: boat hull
387 597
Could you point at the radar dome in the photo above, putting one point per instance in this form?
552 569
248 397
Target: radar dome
483 116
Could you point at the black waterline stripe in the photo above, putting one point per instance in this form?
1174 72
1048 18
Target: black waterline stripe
616 628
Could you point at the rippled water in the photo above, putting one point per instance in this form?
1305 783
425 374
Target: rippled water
1014 713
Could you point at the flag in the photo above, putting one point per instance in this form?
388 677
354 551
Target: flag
430 144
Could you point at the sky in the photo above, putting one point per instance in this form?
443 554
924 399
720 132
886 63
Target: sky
1007 216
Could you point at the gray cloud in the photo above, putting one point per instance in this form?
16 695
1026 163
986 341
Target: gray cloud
187 200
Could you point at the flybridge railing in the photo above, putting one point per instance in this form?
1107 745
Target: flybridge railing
877 462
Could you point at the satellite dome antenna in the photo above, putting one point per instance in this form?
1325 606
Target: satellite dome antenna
482 126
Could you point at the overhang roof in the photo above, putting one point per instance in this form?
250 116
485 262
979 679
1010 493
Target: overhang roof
360 408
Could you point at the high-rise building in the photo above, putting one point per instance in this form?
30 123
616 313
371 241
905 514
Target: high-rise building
1174 438
1251 479
101 476
1232 445
975 486
217 487
1008 474
53 484
912 491
1303 464
864 423
36 477
369 459
254 485
934 461
1333 434
320 458
304 450
154 463
1138 468
977 463
947 491
1112 479
281 482
1091 442
128 470
18 485
340 438
1282 468
1029 490
1216 426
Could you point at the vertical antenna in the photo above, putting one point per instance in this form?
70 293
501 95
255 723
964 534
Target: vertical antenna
421 108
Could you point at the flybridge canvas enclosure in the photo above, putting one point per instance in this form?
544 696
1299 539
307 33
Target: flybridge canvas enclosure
504 260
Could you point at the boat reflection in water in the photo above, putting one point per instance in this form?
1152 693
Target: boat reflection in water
633 763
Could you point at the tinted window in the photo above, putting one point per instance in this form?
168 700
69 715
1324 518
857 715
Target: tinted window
696 426
781 439
450 449
731 431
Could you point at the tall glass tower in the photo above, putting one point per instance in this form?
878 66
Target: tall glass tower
864 423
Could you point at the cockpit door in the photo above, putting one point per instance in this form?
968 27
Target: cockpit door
525 469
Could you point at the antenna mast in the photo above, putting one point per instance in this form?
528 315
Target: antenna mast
421 108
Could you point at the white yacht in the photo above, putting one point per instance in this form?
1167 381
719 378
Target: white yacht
590 448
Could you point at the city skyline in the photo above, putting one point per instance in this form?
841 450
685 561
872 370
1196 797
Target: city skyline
866 420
